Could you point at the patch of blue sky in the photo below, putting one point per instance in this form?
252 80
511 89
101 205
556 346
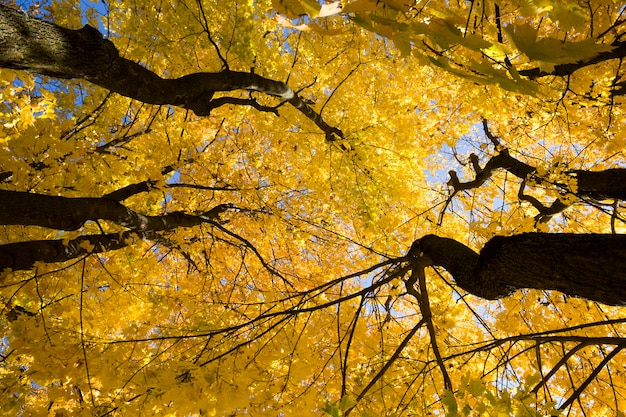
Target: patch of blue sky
174 178
4 346
102 10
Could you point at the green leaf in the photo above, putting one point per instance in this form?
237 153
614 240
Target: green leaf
360 6
400 5
553 50
475 42
449 402
346 402
331 409
403 45
311 7
569 15
476 387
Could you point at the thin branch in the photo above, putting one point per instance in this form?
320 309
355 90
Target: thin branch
208 32
353 324
424 303
559 364
246 342
89 117
82 335
542 338
575 396
614 215
254 250
222 101
338 86
295 310
494 140
296 50
149 185
388 364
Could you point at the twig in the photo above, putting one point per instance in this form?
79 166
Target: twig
592 376
208 32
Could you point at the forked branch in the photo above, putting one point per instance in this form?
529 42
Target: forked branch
417 274
595 185
44 48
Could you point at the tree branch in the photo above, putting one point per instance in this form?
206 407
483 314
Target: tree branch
62 213
545 213
597 185
561 362
222 101
592 376
148 185
417 274
44 48
254 250
387 365
23 255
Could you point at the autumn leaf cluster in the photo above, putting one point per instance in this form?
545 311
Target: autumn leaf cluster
289 302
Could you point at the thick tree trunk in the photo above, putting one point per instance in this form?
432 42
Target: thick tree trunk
602 185
33 45
36 46
589 266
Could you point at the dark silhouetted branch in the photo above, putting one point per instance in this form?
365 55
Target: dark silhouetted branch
44 48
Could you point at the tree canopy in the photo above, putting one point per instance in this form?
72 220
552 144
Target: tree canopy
294 207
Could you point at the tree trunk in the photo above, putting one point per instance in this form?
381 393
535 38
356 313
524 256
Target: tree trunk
590 266
602 185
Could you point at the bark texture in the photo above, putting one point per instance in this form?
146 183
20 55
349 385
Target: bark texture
590 266
40 47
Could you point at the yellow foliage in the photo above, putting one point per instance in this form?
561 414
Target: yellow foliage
255 320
